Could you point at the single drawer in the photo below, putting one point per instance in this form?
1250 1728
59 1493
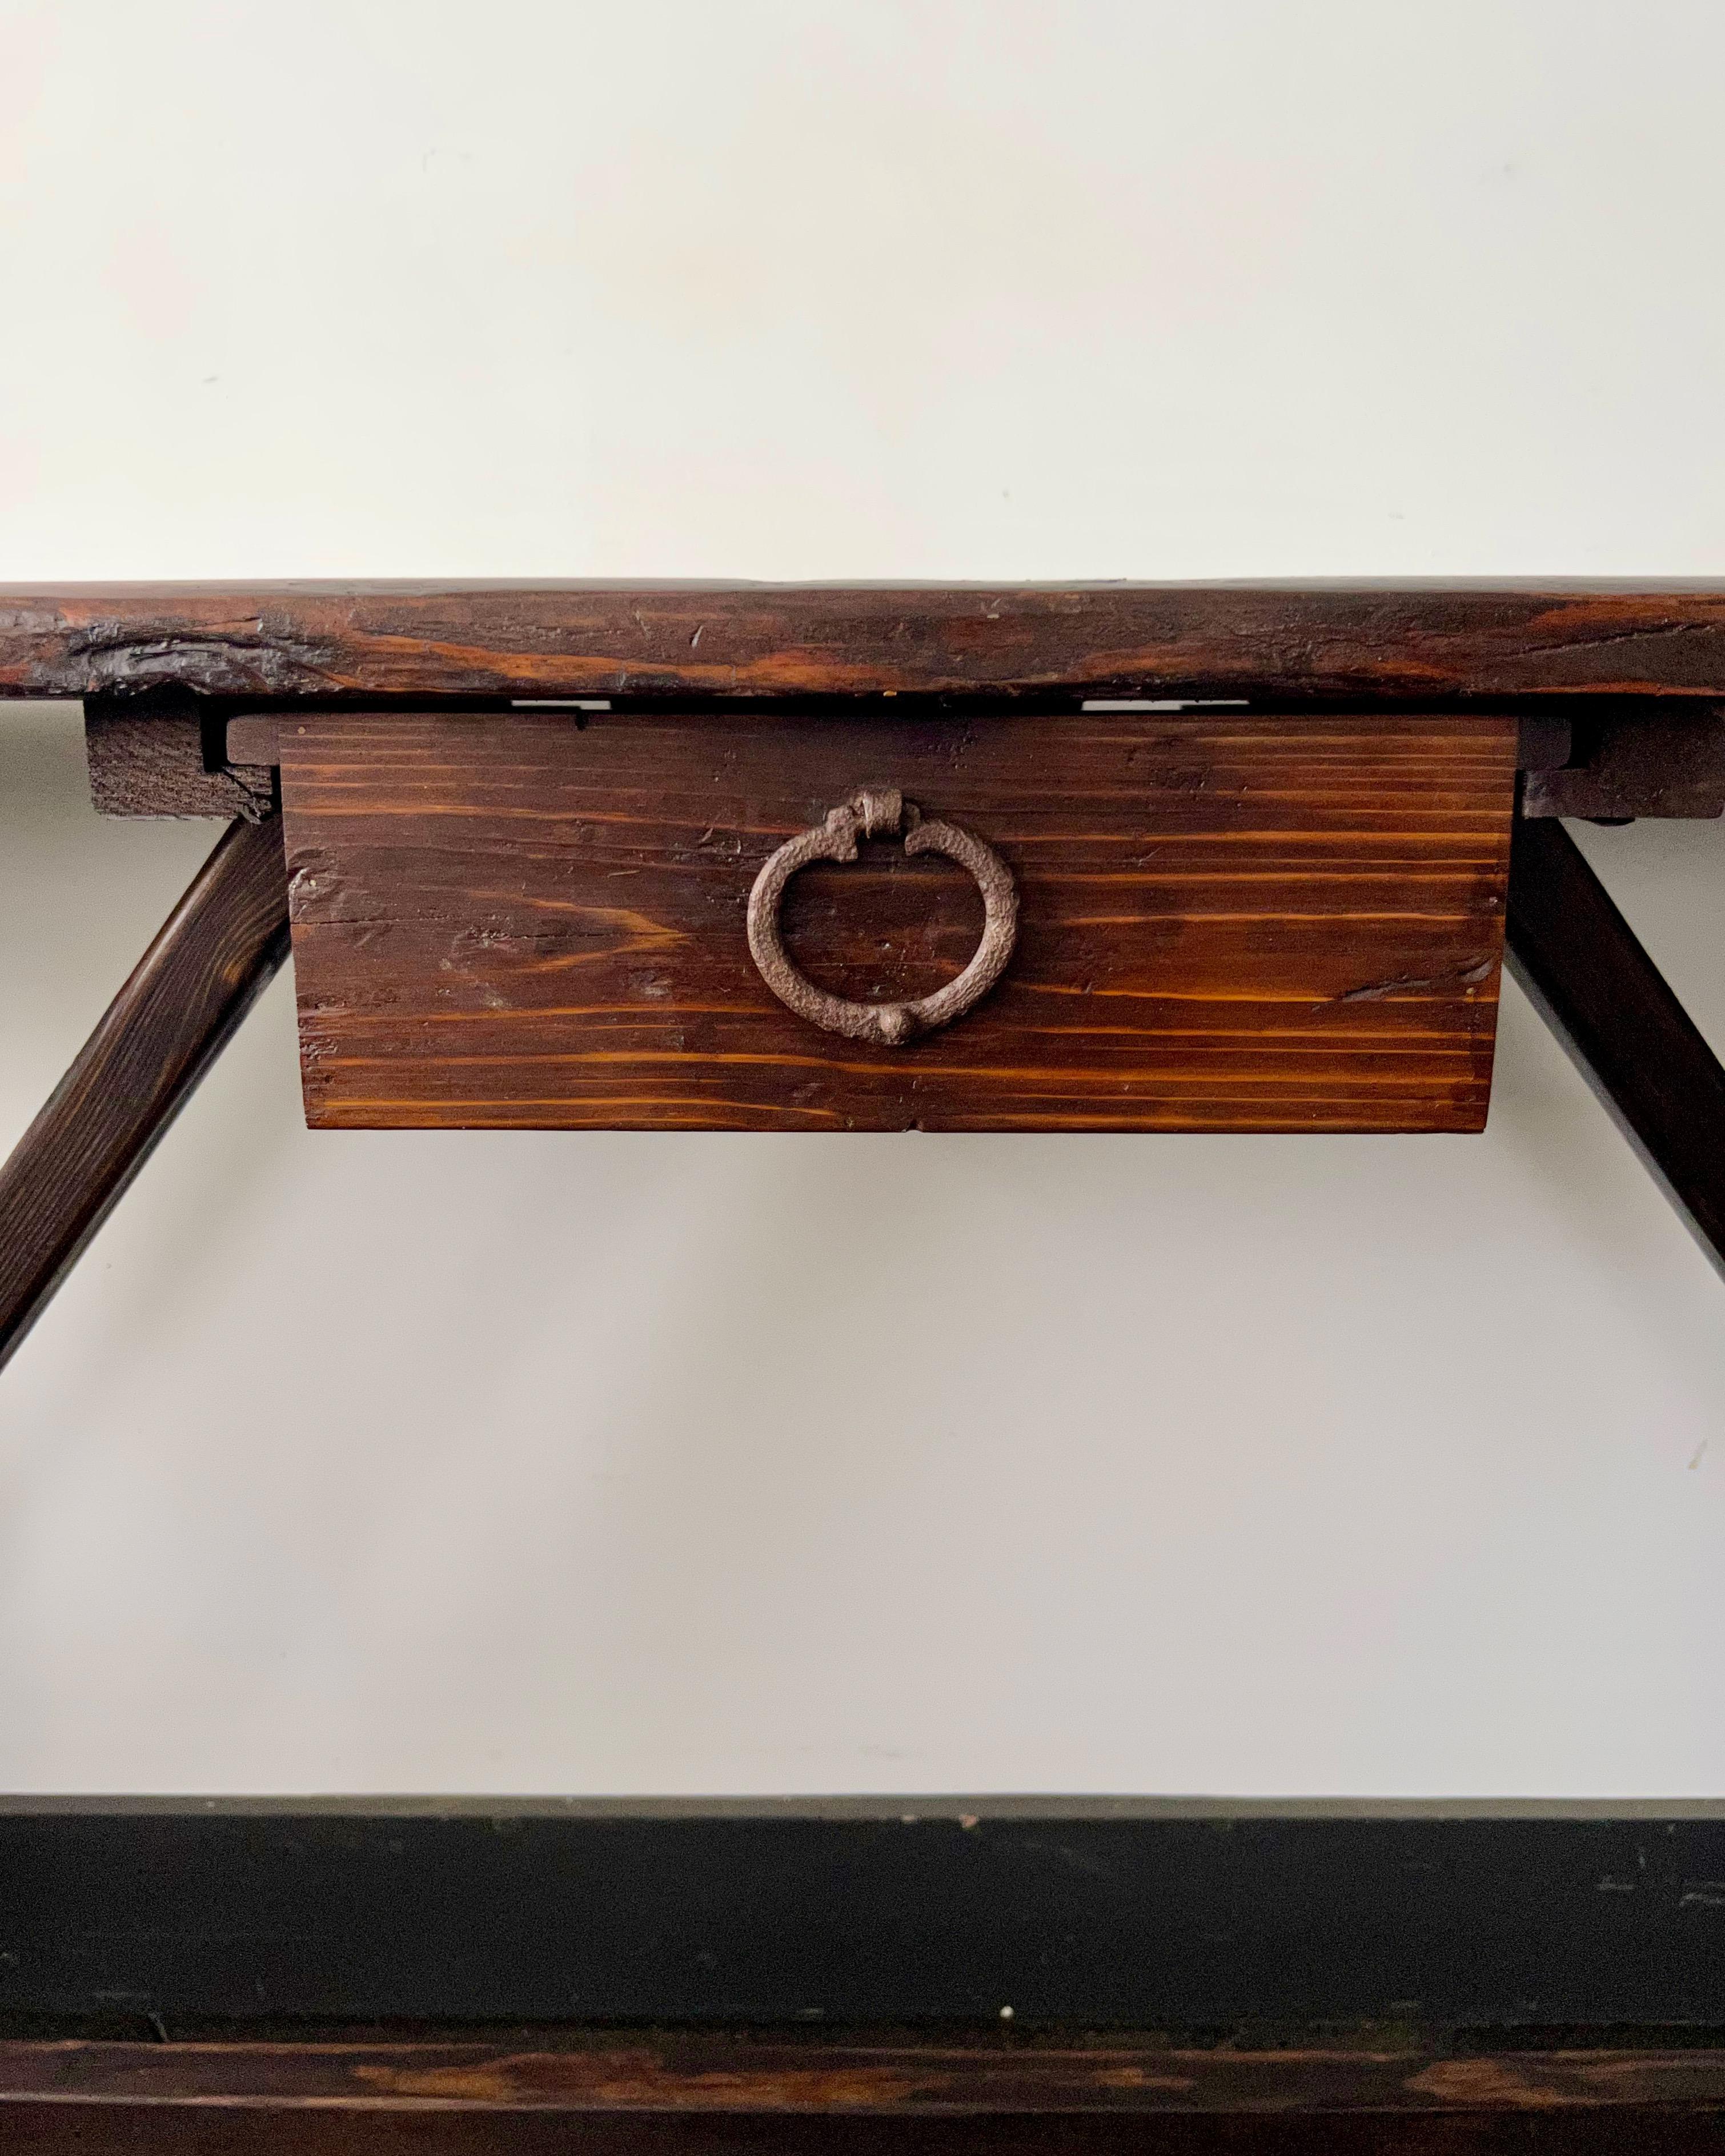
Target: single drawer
1207 921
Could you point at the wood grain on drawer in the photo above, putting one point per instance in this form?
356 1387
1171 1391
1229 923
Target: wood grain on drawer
1226 922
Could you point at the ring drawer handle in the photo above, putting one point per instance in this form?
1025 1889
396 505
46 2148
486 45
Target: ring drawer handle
882 815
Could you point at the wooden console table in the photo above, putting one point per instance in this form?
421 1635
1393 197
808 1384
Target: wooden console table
1111 857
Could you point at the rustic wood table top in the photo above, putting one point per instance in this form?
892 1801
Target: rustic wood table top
550 638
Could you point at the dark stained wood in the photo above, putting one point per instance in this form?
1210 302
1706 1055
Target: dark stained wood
213 957
1227 922
1608 1002
44 2127
147 759
1668 761
594 2079
1401 641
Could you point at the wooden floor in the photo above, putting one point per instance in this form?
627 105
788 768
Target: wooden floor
542 2091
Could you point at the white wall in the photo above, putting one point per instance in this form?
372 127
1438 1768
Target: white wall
494 1462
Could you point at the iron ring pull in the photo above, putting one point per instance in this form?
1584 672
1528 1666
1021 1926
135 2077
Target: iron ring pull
883 815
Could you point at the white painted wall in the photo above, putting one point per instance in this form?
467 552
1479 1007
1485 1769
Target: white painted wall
509 1463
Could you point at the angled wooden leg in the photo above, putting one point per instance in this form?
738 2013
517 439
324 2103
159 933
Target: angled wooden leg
1609 1003
215 954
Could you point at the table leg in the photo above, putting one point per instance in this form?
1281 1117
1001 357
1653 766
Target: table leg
1580 961
214 955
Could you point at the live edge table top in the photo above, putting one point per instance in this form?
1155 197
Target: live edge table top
1397 642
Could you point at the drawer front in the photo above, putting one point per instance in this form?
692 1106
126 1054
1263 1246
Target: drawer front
1223 922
